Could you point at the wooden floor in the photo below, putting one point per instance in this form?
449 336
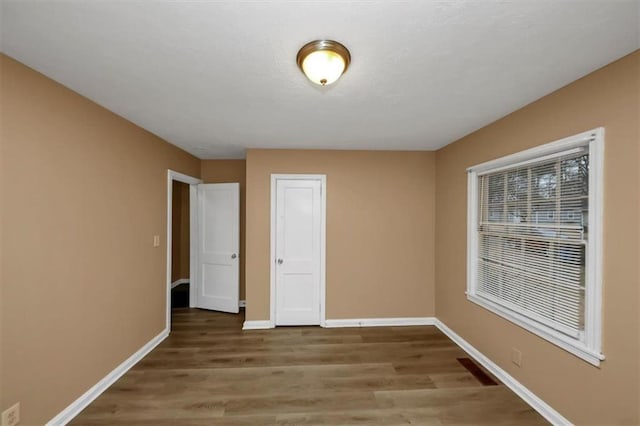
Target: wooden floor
209 372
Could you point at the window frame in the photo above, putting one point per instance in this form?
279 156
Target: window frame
589 347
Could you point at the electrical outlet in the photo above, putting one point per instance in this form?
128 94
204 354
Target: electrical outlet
11 416
516 357
156 240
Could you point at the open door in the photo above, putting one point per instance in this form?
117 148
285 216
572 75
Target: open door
218 275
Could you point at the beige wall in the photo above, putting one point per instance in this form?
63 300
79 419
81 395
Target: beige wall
83 193
229 171
180 232
581 392
380 230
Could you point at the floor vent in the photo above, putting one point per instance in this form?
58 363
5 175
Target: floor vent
477 372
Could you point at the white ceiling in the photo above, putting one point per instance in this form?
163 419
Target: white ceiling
217 77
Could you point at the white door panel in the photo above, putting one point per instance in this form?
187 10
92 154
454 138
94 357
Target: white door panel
297 249
218 243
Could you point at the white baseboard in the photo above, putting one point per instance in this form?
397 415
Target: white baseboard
257 325
518 388
242 303
379 322
362 322
66 415
176 283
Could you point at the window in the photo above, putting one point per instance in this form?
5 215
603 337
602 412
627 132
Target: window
534 240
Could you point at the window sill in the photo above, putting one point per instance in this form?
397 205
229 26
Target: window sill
574 347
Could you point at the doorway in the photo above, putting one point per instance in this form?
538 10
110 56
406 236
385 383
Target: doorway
213 228
180 246
186 267
298 227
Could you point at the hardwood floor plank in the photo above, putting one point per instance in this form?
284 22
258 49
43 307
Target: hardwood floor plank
479 405
453 380
226 421
315 402
295 384
428 365
247 360
369 417
210 372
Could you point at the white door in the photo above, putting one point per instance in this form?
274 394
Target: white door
298 227
218 283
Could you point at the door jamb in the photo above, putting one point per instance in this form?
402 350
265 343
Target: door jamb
323 248
193 233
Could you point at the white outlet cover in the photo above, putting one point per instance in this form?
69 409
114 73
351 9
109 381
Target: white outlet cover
11 416
516 357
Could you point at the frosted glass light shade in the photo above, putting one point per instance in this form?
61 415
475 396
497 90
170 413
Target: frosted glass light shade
323 61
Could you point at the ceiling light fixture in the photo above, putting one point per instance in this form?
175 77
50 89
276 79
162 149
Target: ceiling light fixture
323 61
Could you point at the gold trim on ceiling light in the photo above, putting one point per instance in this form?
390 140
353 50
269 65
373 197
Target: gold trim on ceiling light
331 61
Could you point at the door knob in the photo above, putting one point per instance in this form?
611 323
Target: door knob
233 256
280 261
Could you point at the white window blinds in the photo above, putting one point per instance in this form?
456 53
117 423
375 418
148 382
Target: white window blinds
532 233
534 240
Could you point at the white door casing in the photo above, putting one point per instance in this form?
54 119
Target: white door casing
192 182
298 234
218 282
